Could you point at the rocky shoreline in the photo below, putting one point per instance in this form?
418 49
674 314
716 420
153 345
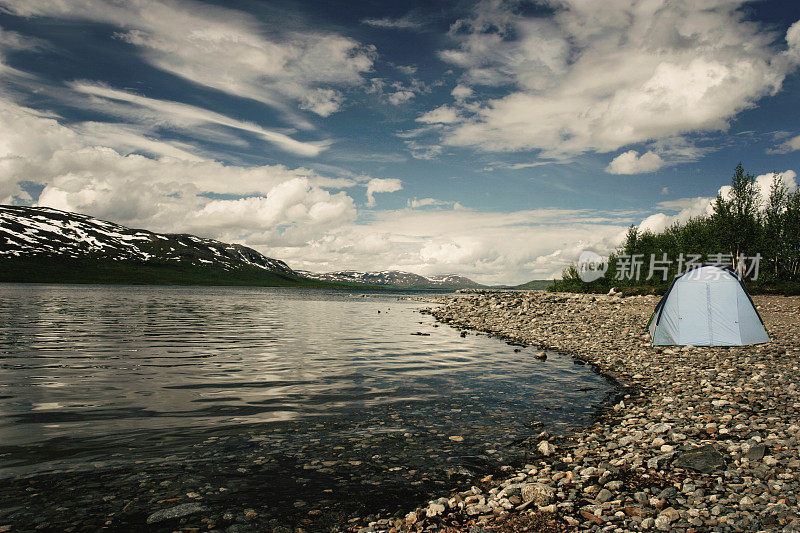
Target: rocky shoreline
702 439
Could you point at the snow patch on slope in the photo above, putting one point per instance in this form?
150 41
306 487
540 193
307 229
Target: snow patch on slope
42 231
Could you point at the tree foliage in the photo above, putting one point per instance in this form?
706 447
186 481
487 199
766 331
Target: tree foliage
742 224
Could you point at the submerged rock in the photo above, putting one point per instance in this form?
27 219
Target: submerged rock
178 511
705 459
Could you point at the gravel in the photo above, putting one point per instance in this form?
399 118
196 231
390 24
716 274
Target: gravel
701 438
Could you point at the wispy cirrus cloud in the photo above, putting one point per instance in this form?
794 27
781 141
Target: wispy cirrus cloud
417 203
406 22
790 145
167 114
11 40
226 49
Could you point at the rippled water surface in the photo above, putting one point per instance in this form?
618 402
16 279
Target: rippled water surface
96 378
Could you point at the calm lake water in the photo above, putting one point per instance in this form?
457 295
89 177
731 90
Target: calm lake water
212 390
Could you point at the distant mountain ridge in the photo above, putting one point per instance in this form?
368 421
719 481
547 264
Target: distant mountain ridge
394 278
40 244
42 231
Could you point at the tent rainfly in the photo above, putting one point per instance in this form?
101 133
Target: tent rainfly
707 306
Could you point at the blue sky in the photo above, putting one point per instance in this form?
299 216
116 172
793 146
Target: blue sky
491 139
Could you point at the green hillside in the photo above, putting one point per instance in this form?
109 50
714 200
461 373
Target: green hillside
535 285
60 270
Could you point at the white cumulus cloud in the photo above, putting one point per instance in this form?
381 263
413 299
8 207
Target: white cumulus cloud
600 76
377 185
764 183
535 244
90 168
631 162
461 92
704 205
441 115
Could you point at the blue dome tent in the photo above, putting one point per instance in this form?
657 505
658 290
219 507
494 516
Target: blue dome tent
707 305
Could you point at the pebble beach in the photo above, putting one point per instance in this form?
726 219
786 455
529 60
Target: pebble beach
699 439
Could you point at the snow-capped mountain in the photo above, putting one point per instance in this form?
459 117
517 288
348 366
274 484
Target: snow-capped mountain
393 278
49 233
47 245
